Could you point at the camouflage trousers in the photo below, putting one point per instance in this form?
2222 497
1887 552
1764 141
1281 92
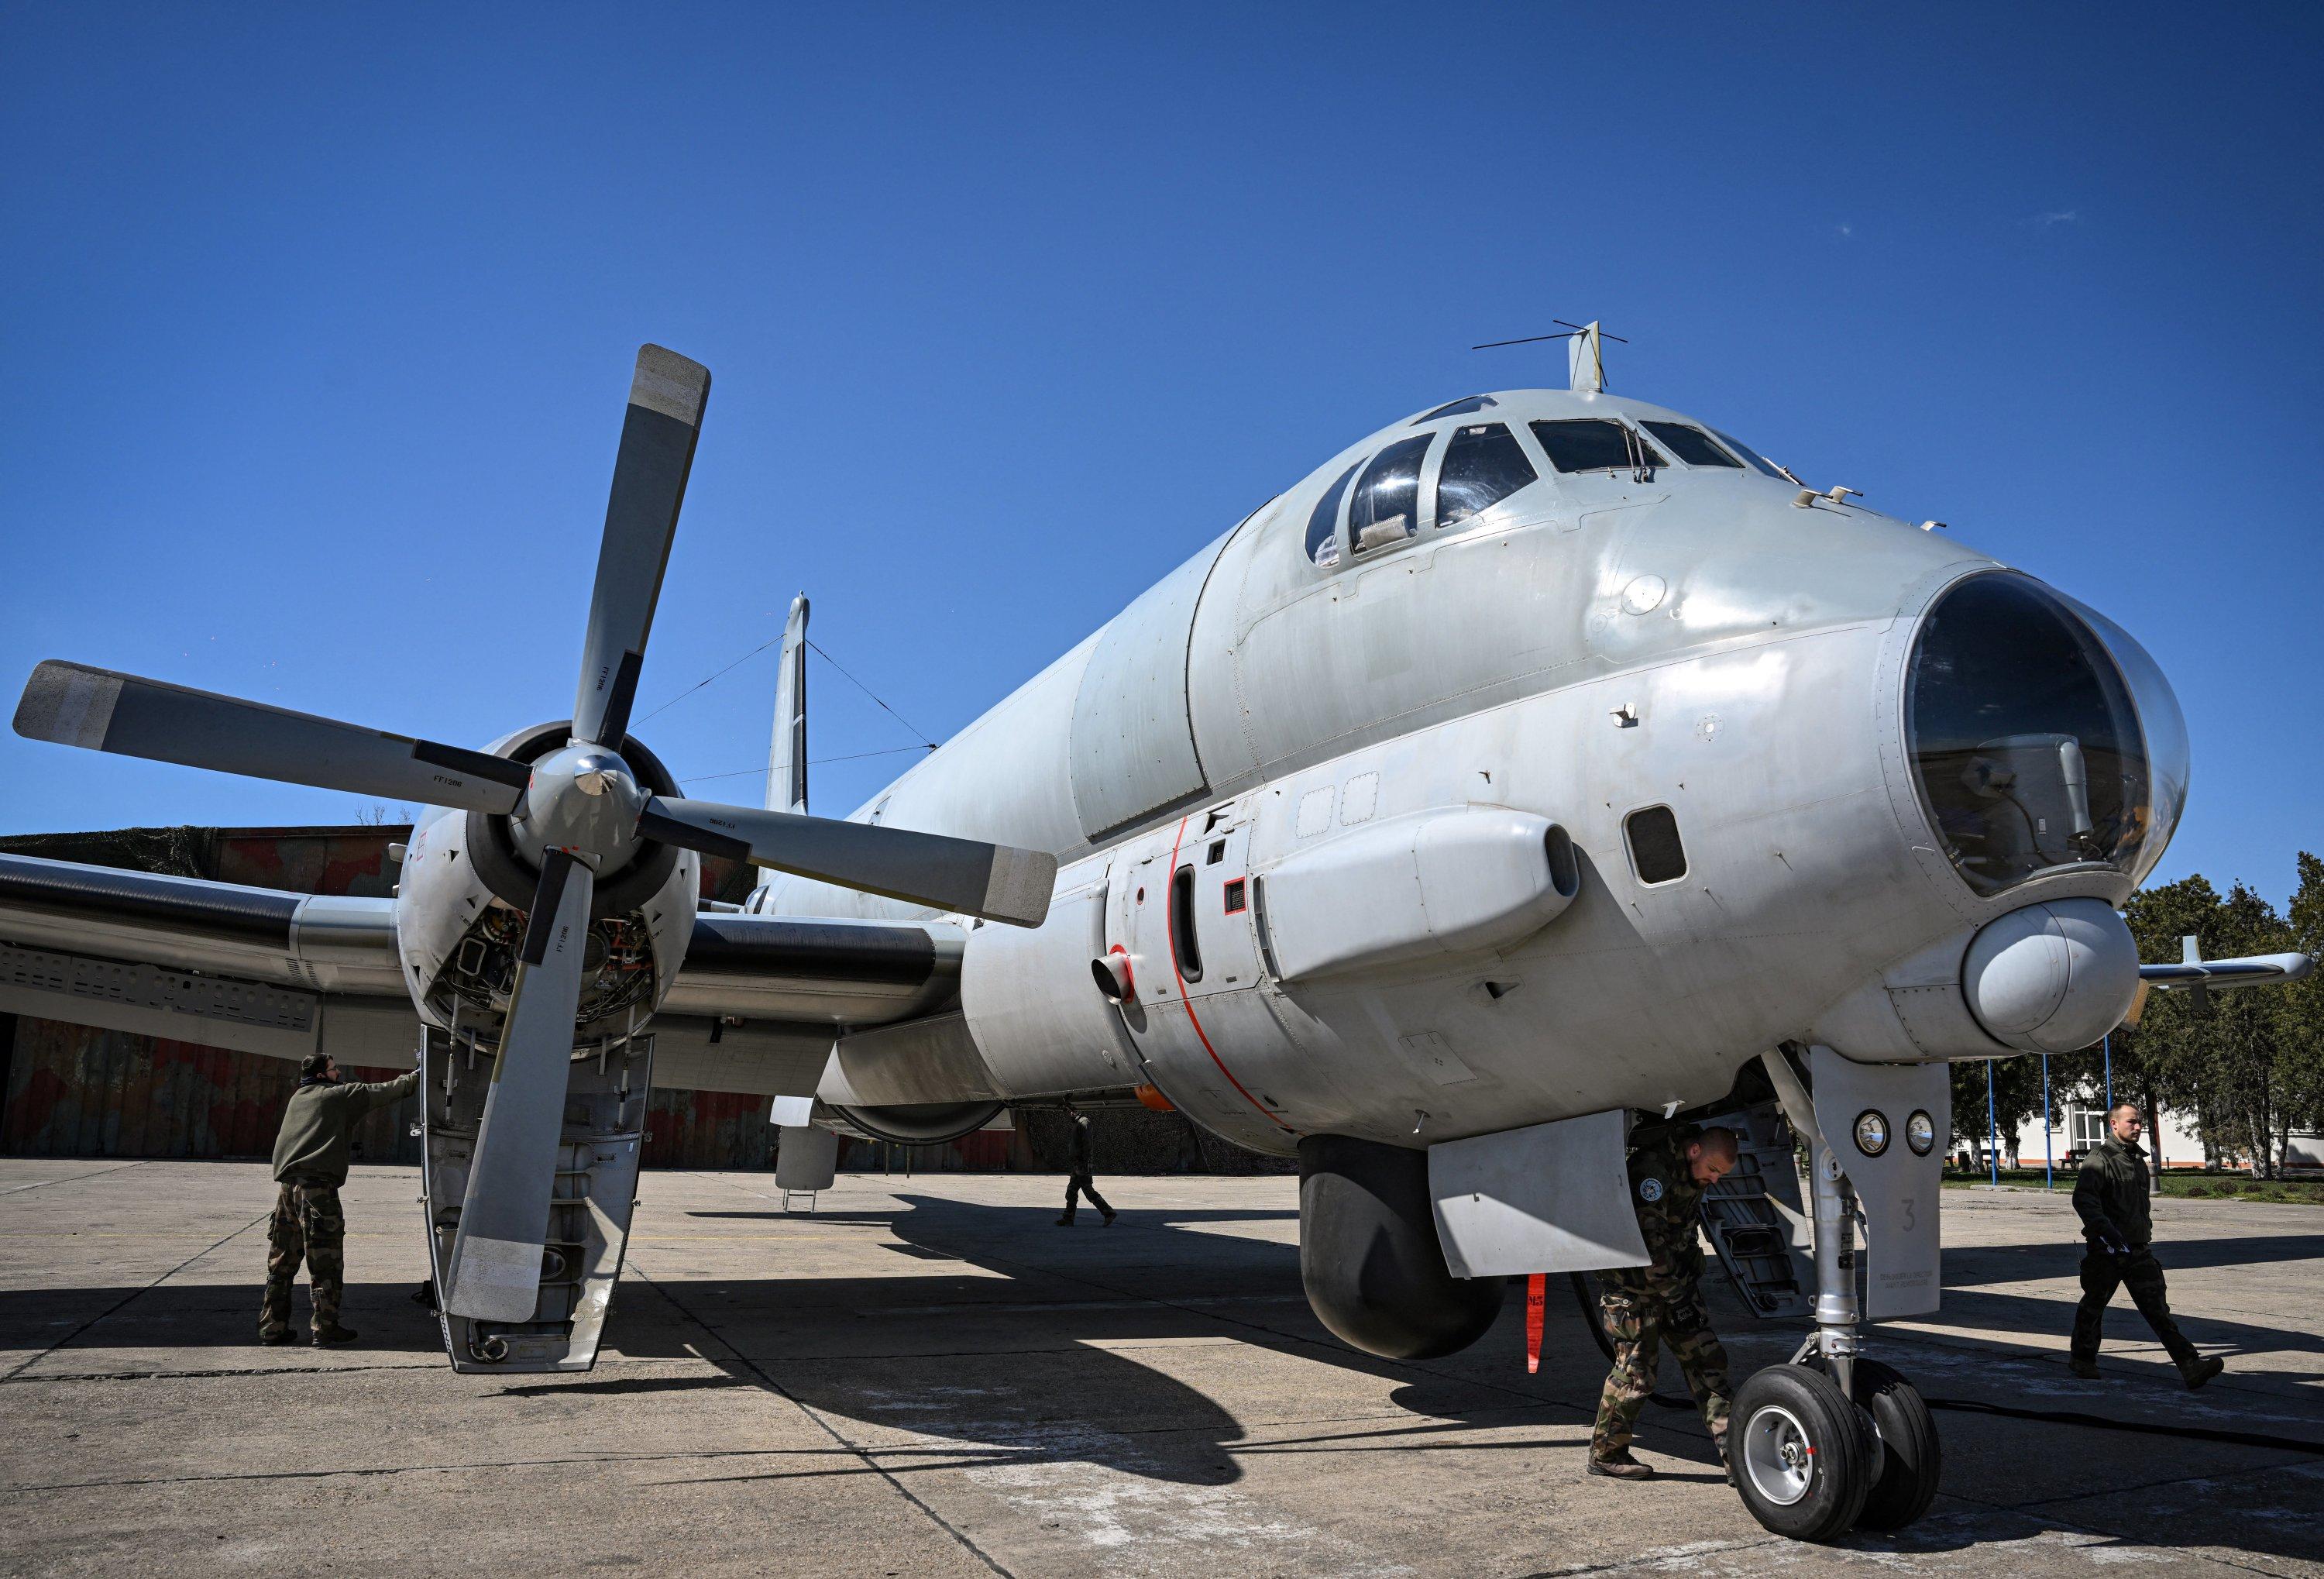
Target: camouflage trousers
1640 1320
307 1223
2102 1274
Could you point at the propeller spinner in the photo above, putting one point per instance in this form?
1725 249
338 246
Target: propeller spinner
576 814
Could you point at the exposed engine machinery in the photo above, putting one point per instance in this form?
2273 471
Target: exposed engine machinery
468 883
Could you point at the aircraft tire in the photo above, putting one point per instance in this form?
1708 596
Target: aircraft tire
1803 1453
1911 1461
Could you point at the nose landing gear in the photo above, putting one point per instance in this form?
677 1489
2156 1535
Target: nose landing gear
1831 1441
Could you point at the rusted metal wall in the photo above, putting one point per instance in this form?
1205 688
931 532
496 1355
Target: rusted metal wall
74 1091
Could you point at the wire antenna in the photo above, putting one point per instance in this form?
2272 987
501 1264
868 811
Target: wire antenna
1569 331
1585 357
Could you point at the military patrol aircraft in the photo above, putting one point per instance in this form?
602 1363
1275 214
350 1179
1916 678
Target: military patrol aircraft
1543 761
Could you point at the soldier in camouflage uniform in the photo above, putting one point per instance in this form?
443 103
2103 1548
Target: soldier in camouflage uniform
2112 1197
1645 1308
310 1164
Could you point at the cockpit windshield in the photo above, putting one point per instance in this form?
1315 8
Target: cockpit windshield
1593 444
2026 739
1691 445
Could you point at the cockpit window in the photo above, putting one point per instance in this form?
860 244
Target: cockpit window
1691 445
1483 465
1323 546
2025 737
1594 444
1458 409
1386 507
1759 463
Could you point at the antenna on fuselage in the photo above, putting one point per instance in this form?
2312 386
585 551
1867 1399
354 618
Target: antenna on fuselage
1585 357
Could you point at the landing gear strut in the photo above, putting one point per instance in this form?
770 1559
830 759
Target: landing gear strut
1831 1441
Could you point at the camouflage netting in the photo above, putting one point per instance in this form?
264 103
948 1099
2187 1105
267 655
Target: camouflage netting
179 852
1136 1141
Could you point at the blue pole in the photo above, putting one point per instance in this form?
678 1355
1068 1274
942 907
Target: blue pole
2049 1164
1992 1128
2108 1044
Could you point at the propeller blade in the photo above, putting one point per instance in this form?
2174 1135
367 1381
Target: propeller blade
98 709
998 882
657 438
494 1273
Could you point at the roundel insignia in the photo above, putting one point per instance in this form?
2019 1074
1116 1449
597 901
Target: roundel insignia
1650 1190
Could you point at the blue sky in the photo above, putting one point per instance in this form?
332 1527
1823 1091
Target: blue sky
317 323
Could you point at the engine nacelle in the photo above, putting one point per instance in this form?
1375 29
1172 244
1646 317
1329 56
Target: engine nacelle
1370 1258
464 887
1039 1023
927 1123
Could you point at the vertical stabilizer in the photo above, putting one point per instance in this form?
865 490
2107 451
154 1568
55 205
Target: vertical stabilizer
1585 360
787 757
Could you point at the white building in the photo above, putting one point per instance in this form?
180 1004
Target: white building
2077 1125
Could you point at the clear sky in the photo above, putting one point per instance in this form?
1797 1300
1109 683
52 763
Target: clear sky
317 324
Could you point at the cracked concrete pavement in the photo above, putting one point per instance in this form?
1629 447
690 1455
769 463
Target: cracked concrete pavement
924 1377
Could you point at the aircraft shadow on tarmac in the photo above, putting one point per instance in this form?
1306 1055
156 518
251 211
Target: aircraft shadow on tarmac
1969 1274
969 1370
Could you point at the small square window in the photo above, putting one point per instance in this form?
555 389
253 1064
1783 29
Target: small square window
1218 853
1656 852
1235 900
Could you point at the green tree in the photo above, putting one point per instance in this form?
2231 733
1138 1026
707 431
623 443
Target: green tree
2158 1063
2253 1081
2248 1068
2016 1097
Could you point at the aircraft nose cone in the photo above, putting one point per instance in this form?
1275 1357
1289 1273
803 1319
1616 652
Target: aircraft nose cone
2053 977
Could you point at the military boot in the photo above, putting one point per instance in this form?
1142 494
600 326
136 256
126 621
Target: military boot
2088 1369
2196 1371
331 1337
1621 1466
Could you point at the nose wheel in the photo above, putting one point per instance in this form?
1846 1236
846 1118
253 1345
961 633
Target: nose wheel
1812 1462
1831 1440
1910 1461
1804 1454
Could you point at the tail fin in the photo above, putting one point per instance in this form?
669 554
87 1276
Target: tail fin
787 758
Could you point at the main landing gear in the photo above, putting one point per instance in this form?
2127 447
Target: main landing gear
1829 1441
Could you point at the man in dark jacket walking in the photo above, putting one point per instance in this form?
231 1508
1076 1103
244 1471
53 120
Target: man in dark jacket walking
2113 1196
310 1164
1082 1183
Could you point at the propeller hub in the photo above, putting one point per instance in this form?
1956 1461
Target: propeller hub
583 799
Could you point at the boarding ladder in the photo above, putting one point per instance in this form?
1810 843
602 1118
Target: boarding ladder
1754 1218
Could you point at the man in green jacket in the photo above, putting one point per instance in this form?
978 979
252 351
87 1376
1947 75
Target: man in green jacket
2115 1200
310 1164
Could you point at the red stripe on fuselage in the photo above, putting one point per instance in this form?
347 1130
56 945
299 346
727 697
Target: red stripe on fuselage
1170 936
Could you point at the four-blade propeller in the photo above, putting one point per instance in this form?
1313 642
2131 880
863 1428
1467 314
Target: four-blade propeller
579 813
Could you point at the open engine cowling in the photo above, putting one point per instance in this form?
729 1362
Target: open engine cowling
1370 1258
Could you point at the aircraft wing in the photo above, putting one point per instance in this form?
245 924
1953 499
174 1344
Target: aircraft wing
754 1006
2249 971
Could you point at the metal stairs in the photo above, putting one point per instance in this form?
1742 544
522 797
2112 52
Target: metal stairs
1755 1219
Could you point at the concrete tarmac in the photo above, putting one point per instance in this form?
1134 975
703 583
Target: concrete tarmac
926 1377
